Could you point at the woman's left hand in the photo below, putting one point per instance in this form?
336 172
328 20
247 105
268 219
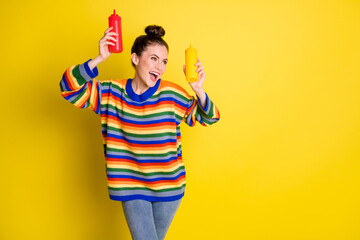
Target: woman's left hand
198 85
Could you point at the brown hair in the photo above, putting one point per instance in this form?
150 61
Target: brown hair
153 35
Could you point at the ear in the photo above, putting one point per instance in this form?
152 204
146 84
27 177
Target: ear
135 59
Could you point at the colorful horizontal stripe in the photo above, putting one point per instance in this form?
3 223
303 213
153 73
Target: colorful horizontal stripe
141 133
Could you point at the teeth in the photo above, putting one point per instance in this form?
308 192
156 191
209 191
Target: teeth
157 74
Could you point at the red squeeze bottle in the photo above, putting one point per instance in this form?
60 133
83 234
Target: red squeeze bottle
115 22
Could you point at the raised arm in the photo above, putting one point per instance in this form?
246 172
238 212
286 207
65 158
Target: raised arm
78 85
201 109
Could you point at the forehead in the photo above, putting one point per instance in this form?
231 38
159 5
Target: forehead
156 49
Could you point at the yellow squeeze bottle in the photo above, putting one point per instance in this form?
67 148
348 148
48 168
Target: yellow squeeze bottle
190 68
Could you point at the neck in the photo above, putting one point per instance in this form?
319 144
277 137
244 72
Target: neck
138 86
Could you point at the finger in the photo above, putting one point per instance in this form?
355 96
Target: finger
112 33
109 43
200 71
110 38
198 64
103 40
108 30
200 68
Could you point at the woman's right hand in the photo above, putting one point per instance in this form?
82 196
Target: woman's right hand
104 52
107 39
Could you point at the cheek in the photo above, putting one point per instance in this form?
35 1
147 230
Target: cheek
163 67
145 66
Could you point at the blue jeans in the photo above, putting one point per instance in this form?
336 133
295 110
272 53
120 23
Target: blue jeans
149 220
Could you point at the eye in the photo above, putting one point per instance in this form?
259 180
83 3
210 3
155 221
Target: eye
153 58
164 62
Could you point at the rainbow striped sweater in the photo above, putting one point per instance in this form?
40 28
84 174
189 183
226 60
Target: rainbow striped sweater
141 133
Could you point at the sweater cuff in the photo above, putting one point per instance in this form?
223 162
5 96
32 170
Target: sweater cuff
91 73
207 105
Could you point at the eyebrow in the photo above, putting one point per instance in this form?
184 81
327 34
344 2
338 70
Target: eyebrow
158 57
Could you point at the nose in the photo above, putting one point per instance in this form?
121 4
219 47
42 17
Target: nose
158 66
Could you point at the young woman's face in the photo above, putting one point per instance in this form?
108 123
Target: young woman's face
151 65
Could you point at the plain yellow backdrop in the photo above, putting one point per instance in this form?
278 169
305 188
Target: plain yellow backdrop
281 164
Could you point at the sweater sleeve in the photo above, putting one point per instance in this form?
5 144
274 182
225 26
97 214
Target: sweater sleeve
79 87
204 115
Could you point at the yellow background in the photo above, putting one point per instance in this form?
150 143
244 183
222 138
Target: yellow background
282 163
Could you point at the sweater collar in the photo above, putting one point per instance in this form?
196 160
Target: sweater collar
145 95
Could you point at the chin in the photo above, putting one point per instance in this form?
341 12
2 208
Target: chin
152 83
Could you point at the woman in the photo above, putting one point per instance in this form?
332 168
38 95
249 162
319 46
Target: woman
141 129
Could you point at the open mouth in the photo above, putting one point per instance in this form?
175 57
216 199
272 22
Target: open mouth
154 75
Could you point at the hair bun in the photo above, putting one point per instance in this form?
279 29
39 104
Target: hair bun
154 31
